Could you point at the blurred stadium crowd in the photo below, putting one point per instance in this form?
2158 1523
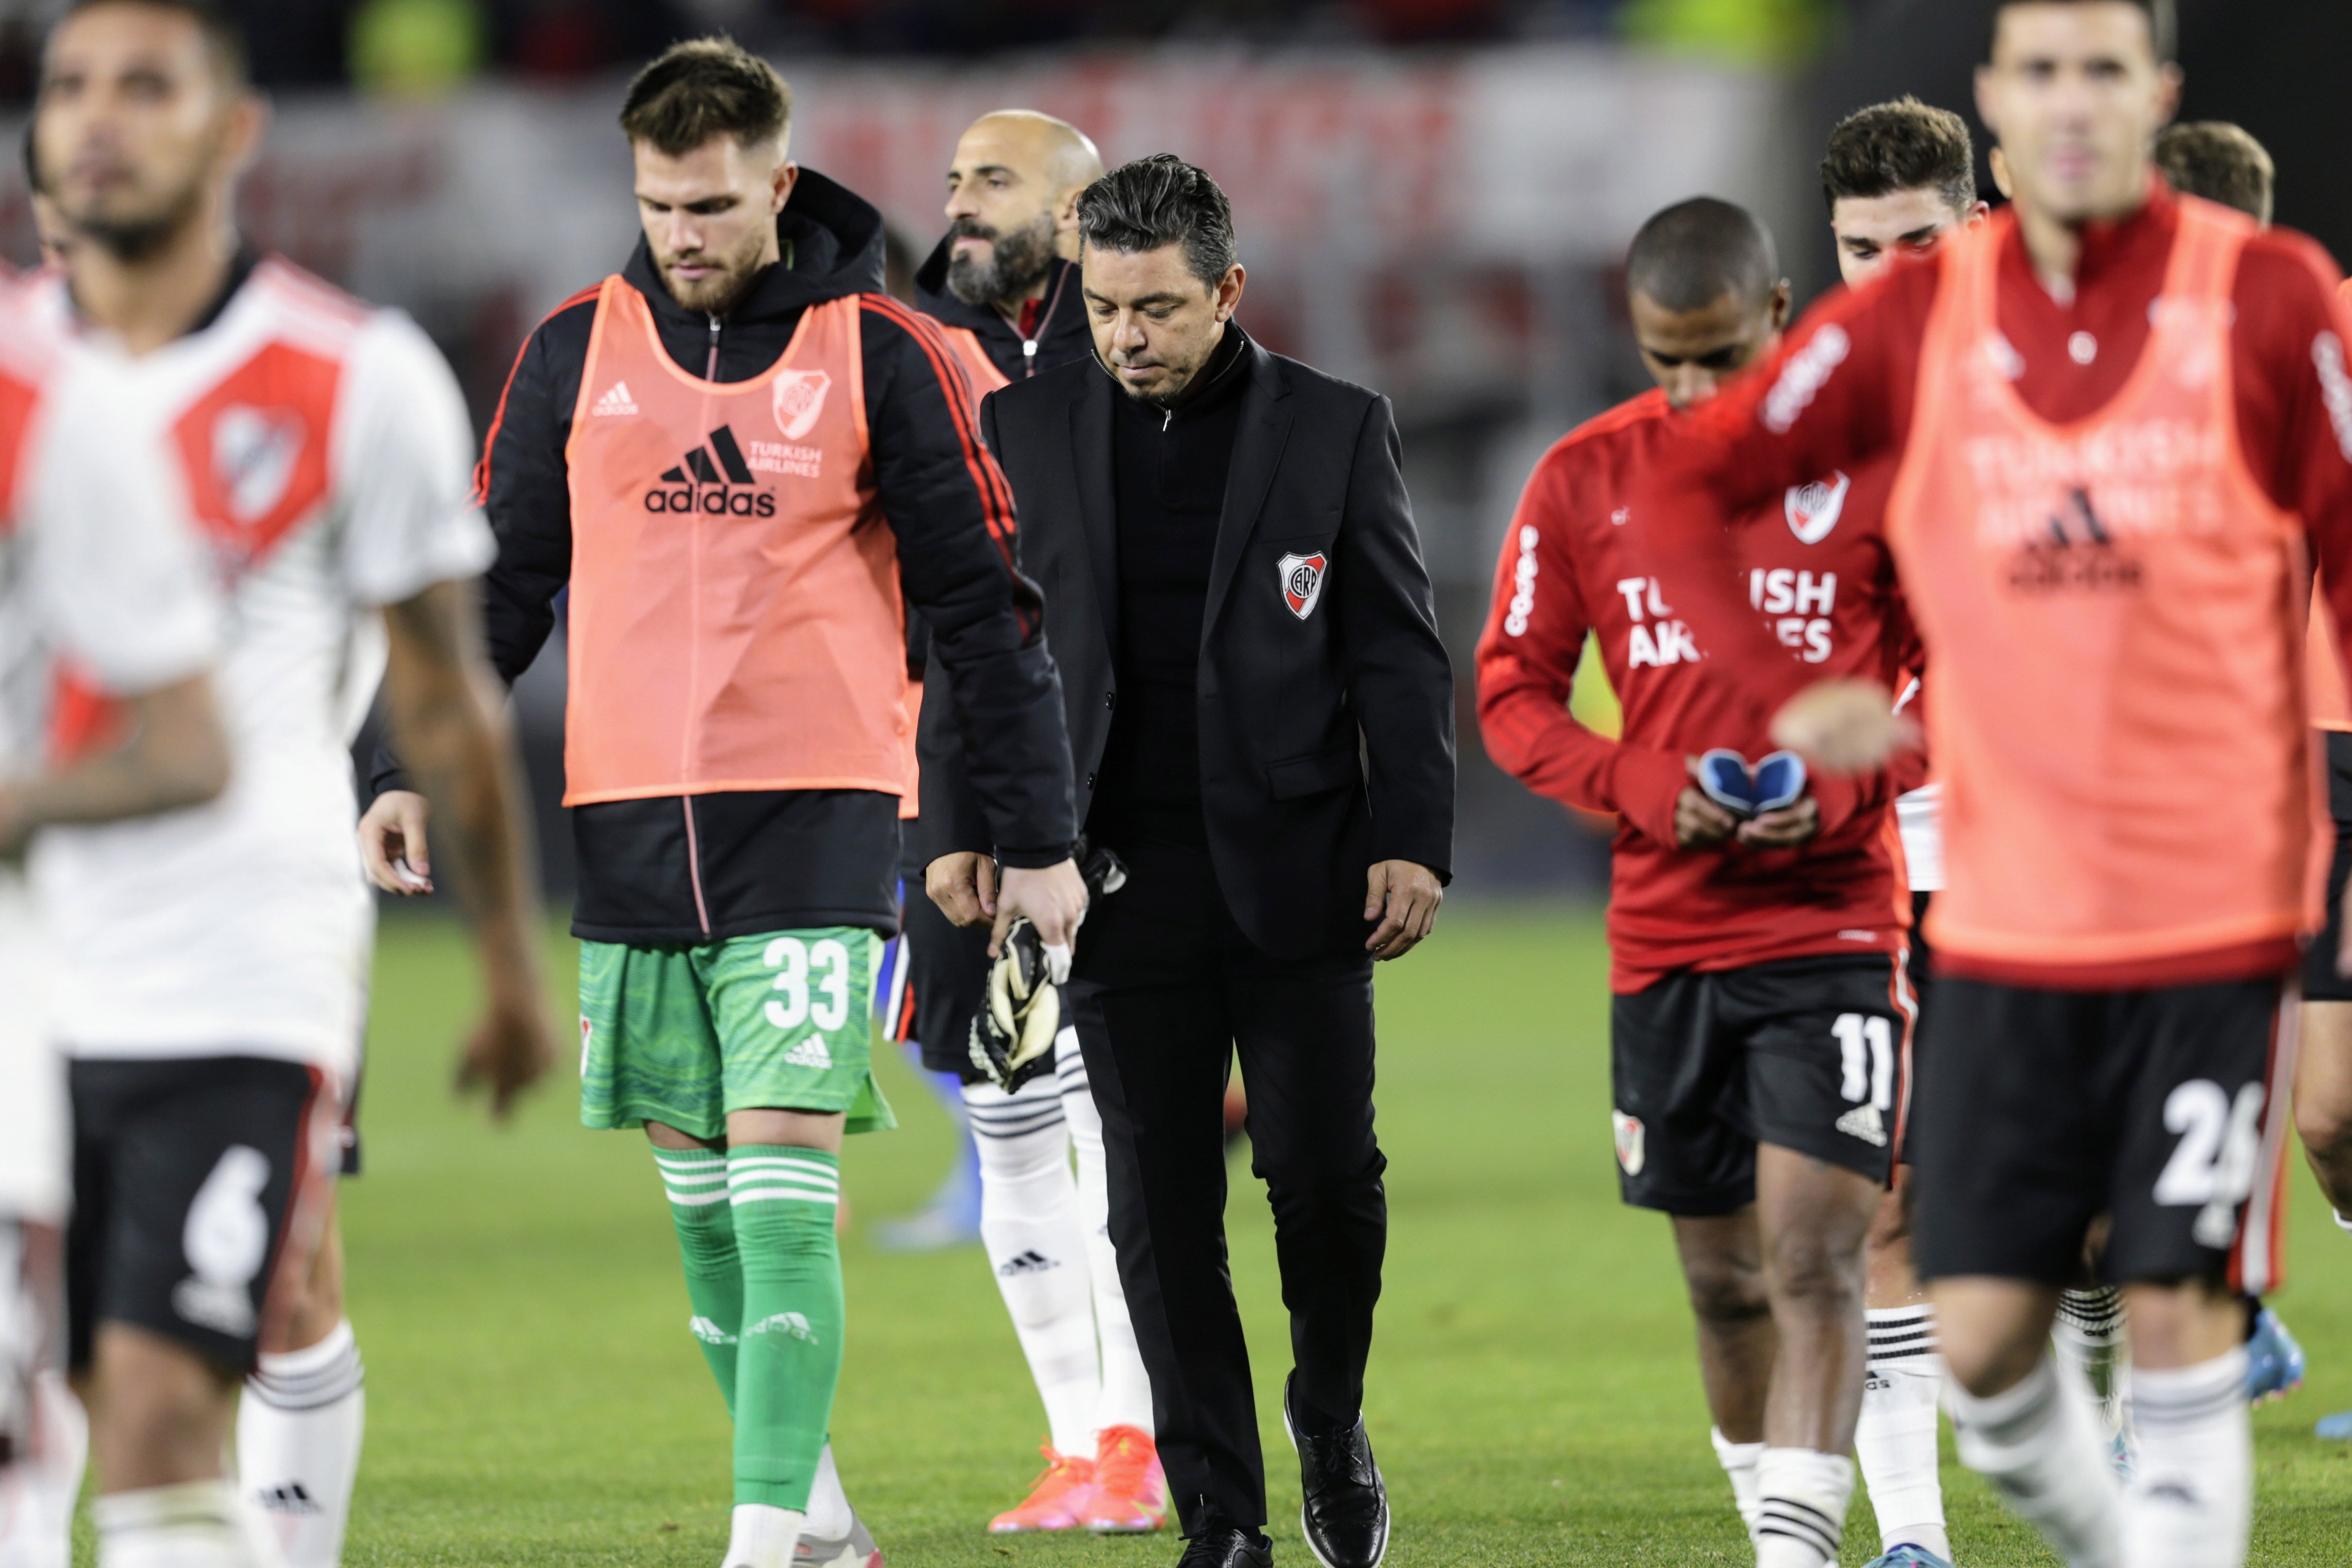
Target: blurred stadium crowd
409 48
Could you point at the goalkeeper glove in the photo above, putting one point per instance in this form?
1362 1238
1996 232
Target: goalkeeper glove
1013 1033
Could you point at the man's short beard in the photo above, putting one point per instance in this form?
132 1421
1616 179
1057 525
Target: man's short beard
132 240
1018 260
719 296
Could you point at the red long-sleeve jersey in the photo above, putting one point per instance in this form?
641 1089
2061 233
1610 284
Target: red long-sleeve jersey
1848 387
1582 556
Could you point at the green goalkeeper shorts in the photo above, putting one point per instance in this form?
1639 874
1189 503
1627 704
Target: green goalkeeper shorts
684 1035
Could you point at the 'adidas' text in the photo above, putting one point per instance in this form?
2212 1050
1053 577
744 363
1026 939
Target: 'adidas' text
713 480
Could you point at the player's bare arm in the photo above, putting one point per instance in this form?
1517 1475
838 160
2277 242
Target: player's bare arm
175 756
449 718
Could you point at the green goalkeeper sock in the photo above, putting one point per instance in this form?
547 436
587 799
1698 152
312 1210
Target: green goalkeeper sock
696 1180
789 1362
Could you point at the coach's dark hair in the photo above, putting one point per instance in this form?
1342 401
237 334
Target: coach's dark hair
705 88
2163 22
223 37
1904 145
2222 162
1695 252
1161 201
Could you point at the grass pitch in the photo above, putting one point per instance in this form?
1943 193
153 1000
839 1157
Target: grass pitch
534 1396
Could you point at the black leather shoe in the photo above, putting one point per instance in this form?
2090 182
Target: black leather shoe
1346 1520
1225 1546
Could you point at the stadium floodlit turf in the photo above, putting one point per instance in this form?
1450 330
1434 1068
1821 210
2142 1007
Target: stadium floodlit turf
535 1397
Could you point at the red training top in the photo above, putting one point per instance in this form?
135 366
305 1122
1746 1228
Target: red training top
1581 557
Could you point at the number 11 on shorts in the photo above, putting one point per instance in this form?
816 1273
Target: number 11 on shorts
1866 1051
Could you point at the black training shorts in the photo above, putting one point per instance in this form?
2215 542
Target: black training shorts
2164 1108
2321 983
1807 1053
947 967
188 1175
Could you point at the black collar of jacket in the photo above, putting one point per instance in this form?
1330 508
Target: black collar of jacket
1062 334
1233 366
833 246
1264 429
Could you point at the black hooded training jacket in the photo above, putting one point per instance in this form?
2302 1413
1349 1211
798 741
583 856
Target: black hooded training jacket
1062 334
696 869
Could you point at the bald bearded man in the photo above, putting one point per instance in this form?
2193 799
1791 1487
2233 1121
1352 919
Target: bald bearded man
1002 285
1001 279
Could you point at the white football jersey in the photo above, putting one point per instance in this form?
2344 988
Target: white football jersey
322 453
97 574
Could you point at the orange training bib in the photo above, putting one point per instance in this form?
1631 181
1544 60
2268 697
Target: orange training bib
2112 615
736 621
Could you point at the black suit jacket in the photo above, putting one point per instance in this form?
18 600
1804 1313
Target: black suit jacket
1326 701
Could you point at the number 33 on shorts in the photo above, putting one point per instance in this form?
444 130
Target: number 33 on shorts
804 1044
799 964
684 1036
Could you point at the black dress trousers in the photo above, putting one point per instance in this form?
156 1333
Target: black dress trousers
1165 991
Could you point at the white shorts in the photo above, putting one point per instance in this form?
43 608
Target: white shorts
34 1181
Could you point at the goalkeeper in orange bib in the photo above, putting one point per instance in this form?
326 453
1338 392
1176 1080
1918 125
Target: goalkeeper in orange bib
734 453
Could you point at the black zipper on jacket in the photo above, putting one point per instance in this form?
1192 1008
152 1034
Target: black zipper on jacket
1045 319
693 839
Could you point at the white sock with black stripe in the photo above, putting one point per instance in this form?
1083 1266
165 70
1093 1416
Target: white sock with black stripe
2190 1502
1125 1399
1800 1514
298 1444
1036 1243
2090 1337
2039 1447
1895 1441
1739 1461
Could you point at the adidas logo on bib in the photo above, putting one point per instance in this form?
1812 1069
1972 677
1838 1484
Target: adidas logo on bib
615 401
714 480
810 1053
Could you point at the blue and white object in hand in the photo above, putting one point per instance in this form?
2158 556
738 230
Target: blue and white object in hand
1726 778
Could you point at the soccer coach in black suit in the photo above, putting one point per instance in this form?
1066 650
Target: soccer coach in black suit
1261 716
